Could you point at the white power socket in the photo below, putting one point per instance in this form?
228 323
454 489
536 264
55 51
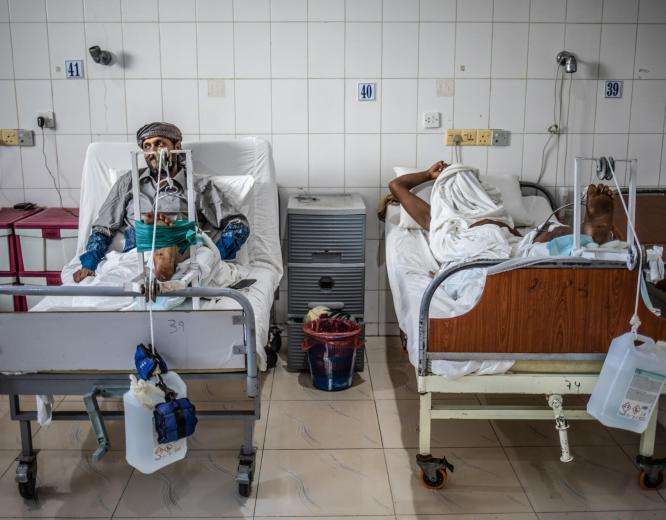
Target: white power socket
431 120
49 119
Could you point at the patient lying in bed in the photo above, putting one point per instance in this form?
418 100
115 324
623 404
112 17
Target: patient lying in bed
464 220
228 230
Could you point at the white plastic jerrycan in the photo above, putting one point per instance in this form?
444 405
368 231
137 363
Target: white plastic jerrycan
629 384
142 450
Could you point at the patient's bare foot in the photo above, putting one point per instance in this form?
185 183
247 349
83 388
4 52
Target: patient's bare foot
598 222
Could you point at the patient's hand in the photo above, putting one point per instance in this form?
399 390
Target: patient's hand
436 169
82 274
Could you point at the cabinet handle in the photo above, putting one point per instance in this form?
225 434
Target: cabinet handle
326 283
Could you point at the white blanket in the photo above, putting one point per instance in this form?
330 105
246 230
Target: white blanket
457 201
120 269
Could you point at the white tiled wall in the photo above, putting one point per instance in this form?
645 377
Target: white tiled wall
288 69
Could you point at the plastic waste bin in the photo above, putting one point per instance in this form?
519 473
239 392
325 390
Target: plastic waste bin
331 345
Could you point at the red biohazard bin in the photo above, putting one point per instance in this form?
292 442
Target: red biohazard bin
331 345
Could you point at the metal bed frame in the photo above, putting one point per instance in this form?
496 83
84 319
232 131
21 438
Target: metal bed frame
553 385
93 385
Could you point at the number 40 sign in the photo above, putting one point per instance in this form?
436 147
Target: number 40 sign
366 91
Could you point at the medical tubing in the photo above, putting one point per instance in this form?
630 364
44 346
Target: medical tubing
151 266
635 321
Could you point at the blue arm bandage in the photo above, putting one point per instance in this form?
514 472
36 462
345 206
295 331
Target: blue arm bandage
96 248
234 234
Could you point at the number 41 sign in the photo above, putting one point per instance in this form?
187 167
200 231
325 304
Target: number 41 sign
73 69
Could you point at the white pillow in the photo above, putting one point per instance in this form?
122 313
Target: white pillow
238 190
512 197
507 185
538 208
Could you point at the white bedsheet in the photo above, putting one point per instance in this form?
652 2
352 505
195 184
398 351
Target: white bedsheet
411 266
259 259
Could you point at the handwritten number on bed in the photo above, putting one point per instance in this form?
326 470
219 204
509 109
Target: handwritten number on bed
175 326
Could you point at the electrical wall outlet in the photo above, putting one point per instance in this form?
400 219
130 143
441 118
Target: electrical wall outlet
483 137
477 137
9 136
49 119
462 137
16 137
26 137
431 120
500 137
468 137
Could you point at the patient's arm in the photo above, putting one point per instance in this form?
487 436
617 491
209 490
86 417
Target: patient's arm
417 208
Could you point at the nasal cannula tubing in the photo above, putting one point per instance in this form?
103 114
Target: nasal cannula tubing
635 320
151 267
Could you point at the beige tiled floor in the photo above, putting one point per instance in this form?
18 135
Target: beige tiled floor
339 455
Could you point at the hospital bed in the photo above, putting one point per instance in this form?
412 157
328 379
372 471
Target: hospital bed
71 351
555 317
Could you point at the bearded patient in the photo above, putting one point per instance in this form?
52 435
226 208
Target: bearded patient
228 230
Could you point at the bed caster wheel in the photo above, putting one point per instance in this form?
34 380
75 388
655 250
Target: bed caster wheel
26 479
434 471
440 480
650 481
244 490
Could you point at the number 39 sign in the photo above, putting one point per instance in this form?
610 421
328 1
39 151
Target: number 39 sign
613 88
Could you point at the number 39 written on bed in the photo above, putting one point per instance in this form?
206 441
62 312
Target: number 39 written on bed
176 326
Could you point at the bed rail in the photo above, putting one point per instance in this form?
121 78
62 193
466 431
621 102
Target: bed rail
539 189
565 308
249 332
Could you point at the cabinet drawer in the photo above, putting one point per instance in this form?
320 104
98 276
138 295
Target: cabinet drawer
316 284
331 239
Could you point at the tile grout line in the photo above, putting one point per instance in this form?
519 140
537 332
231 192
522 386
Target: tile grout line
120 498
513 469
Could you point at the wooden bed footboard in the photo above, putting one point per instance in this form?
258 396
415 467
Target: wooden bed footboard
547 311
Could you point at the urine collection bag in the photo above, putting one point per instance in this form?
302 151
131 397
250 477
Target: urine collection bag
629 383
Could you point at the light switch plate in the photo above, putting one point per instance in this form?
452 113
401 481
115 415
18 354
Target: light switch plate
501 137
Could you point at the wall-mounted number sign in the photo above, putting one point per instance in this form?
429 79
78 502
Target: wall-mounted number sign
73 69
366 91
613 88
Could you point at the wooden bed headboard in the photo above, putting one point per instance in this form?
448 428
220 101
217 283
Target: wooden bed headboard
546 311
